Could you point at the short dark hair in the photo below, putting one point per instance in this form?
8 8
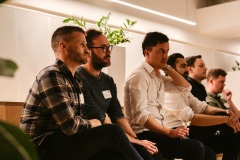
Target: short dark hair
62 33
215 73
172 59
191 60
91 34
152 39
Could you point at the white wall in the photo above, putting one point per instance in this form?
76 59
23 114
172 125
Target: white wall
25 38
232 83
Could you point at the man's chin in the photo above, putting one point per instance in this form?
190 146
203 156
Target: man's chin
84 61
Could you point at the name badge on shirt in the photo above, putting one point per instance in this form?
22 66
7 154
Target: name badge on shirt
107 94
81 99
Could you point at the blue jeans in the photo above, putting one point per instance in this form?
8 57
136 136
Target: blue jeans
107 142
187 149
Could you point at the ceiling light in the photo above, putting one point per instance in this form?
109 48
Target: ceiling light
154 12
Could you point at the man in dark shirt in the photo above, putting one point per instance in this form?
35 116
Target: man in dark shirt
197 72
100 92
51 114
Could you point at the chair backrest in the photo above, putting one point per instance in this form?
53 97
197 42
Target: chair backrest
11 112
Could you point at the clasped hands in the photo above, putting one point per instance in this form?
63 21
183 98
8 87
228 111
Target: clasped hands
233 121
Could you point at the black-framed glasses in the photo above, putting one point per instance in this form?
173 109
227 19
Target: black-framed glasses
104 48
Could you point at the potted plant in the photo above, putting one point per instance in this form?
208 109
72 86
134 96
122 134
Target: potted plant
115 36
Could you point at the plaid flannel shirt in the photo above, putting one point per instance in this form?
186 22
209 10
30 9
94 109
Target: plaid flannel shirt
53 104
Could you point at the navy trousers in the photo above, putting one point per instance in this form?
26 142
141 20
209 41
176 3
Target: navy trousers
107 142
187 149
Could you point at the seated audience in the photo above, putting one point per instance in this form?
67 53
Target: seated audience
200 113
51 113
100 92
144 97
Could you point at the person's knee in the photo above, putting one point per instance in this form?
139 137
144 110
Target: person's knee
113 127
198 147
114 130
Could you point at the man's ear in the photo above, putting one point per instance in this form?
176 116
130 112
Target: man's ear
211 80
62 45
189 69
146 53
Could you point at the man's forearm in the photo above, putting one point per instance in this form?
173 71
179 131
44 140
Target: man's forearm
126 127
208 120
152 125
177 78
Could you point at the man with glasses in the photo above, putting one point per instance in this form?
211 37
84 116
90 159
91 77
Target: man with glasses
51 114
100 92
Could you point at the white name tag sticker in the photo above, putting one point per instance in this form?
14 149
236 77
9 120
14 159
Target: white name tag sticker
81 99
107 94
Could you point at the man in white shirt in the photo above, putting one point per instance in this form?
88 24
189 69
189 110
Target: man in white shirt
144 97
201 114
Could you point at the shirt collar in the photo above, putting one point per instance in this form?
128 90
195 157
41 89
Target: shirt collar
213 95
150 69
65 69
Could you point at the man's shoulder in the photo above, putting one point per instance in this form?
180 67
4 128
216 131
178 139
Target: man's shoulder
49 69
191 81
137 73
211 98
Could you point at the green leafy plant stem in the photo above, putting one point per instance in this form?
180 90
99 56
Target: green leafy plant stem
115 36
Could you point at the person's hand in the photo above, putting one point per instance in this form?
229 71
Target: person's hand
95 122
233 119
107 121
164 67
179 132
235 127
148 145
227 94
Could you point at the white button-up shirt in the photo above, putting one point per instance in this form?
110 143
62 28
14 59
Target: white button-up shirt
144 96
176 102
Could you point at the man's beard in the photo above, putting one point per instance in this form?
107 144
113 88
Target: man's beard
74 56
98 63
185 75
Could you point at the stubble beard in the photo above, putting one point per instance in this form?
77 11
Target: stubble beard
98 63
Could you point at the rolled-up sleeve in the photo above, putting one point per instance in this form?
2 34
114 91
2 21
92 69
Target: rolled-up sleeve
169 85
197 105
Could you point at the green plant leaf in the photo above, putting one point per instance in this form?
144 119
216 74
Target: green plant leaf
115 36
76 20
7 67
237 63
14 144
